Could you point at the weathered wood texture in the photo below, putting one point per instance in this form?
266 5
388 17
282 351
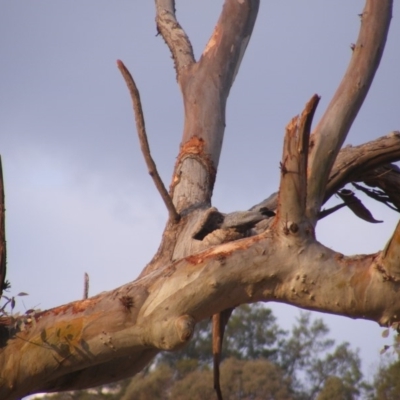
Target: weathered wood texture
209 261
335 124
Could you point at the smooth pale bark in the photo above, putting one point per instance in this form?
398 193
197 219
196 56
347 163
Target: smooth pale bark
100 340
209 261
336 122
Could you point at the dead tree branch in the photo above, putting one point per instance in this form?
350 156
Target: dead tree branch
174 35
144 144
367 163
3 253
86 286
205 87
334 125
353 163
293 185
168 302
210 262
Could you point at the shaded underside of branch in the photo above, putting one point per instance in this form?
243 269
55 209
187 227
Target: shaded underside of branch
387 180
67 343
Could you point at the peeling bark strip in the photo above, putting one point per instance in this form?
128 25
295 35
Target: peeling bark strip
209 262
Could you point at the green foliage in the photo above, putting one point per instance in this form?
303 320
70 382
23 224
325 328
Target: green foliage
387 382
305 357
254 379
149 386
334 389
252 333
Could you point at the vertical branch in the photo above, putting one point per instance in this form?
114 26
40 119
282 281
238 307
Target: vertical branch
334 125
293 185
205 87
219 322
86 286
3 252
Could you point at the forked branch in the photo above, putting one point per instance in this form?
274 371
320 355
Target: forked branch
334 125
144 144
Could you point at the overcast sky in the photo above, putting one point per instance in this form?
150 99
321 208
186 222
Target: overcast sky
78 196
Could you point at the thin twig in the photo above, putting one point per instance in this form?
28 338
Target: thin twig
86 286
3 251
144 144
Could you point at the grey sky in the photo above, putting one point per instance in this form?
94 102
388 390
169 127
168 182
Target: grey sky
78 196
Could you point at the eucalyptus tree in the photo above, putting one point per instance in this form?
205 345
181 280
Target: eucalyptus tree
208 261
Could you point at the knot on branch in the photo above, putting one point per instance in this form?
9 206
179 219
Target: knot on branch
185 327
172 334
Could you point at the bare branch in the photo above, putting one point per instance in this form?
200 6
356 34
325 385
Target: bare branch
354 162
144 144
227 45
333 127
86 286
3 251
328 211
361 164
174 35
293 185
205 88
219 322
167 303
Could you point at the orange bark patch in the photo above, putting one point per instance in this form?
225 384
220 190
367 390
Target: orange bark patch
195 147
75 307
224 250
